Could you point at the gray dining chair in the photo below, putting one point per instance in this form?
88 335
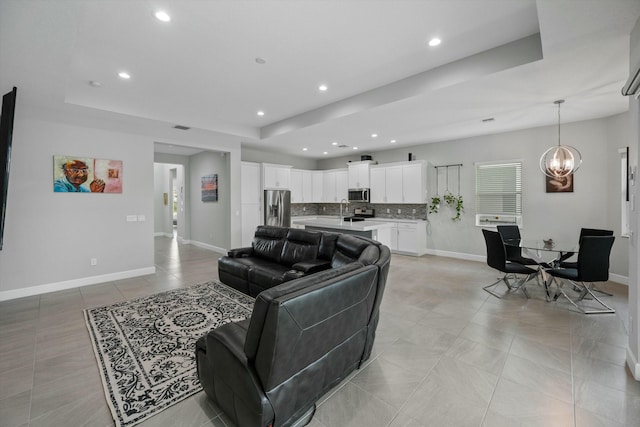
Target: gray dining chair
592 266
497 258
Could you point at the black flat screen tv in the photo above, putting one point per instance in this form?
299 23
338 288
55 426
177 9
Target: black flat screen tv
6 134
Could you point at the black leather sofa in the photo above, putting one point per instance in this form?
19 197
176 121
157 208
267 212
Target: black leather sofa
306 334
280 254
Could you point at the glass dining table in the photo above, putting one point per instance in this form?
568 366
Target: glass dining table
547 253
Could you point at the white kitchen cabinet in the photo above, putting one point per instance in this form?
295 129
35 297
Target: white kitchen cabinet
403 182
393 240
414 182
296 186
335 184
329 187
251 218
359 174
301 186
408 237
342 185
276 177
378 183
251 200
250 183
316 186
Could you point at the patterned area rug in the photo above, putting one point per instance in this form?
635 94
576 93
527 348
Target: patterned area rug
145 347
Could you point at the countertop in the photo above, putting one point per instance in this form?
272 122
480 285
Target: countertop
335 223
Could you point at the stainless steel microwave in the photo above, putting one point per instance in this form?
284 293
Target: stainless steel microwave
359 195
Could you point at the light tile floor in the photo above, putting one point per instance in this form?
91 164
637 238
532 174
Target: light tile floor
446 354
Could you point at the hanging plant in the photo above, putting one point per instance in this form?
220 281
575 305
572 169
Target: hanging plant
435 205
456 203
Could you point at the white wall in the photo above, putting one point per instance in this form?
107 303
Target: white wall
51 237
557 215
209 219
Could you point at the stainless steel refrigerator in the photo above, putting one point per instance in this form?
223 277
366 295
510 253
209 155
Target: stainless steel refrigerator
277 207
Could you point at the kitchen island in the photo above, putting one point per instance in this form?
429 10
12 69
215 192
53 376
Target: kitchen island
380 231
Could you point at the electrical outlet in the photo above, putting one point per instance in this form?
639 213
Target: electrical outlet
324 208
304 209
94 261
399 211
413 211
388 210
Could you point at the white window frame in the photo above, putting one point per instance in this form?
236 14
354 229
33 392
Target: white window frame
500 216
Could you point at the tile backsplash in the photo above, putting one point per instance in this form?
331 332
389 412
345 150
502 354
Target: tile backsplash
400 211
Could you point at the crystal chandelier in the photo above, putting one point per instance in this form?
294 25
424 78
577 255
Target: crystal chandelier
560 160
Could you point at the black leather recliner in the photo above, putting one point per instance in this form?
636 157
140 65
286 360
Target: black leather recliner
280 254
304 337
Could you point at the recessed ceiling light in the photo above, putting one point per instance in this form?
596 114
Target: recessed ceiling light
374 135
325 153
261 61
434 42
355 148
322 88
163 16
260 113
305 149
124 75
334 143
393 141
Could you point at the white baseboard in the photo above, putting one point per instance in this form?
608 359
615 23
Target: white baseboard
623 280
75 283
209 247
457 255
633 365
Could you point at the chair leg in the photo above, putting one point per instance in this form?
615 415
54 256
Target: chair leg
584 290
518 284
594 288
501 279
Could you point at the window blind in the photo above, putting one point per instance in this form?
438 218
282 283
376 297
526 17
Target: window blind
499 189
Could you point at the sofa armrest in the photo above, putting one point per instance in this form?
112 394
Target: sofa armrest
240 252
238 390
312 266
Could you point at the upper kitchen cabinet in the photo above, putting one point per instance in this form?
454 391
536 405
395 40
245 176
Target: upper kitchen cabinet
402 182
301 186
335 186
276 177
359 174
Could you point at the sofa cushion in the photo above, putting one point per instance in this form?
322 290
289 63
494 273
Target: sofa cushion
265 276
268 242
327 246
300 245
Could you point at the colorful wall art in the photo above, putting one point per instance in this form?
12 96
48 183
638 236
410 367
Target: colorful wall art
86 175
210 188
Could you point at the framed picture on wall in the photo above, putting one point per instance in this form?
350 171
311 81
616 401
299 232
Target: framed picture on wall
559 184
72 174
209 188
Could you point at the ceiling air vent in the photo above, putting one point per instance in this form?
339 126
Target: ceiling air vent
180 127
343 146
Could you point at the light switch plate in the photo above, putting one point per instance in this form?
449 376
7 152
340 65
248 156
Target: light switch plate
132 218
